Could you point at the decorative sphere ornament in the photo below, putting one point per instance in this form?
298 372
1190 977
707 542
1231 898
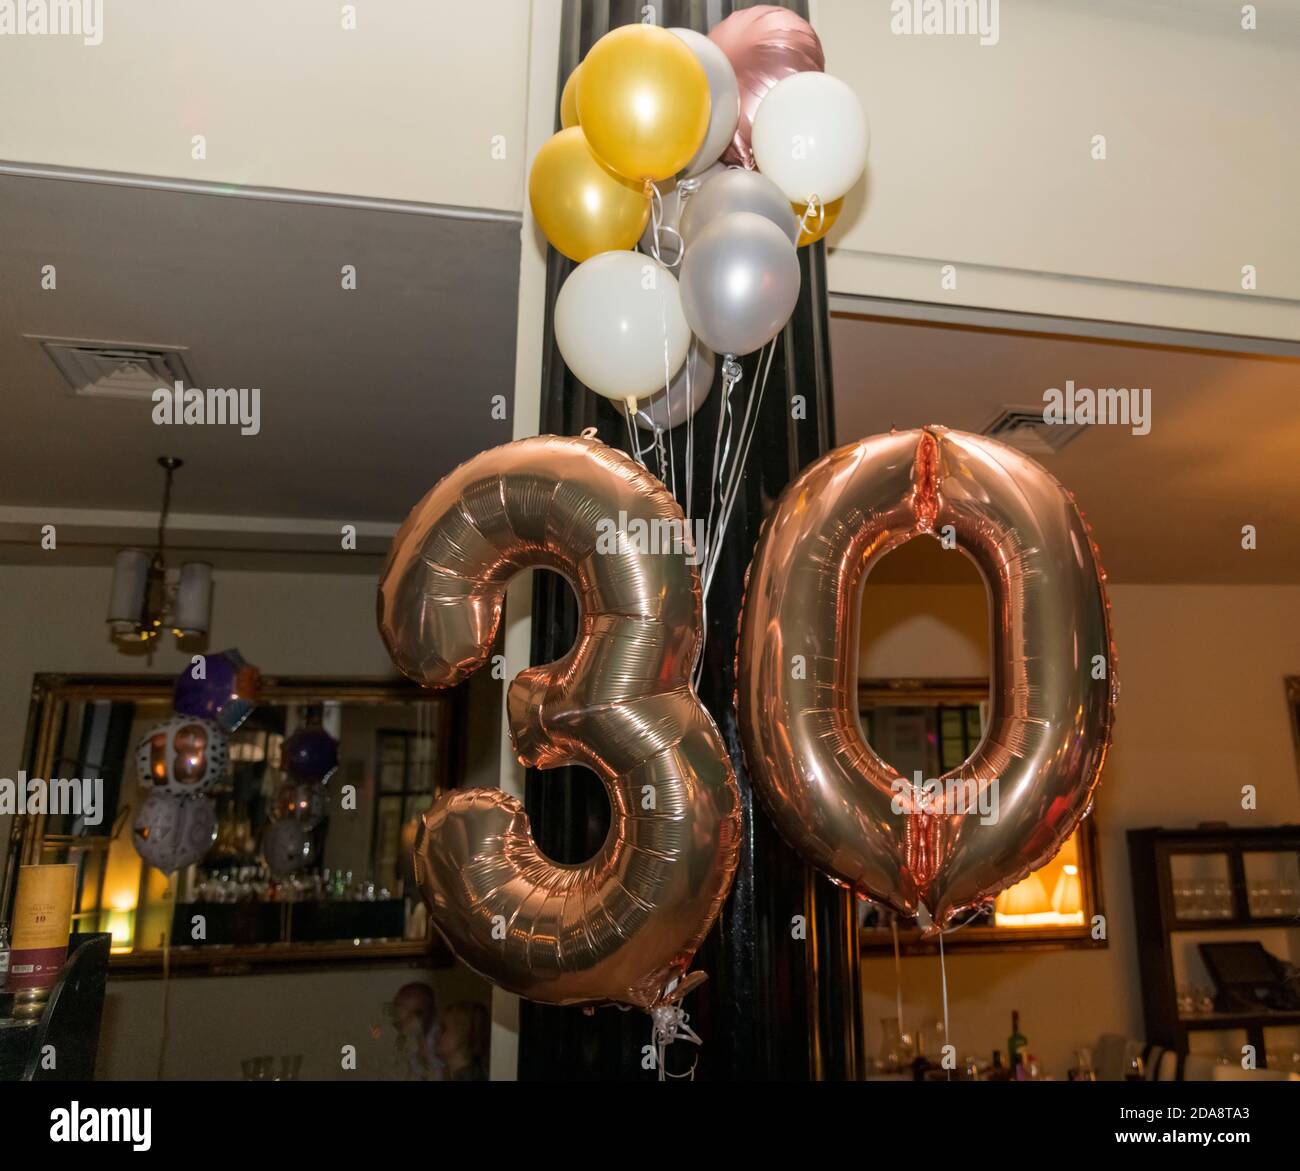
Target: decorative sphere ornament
183 757
171 833
310 754
221 687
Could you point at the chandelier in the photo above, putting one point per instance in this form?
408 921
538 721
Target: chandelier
145 597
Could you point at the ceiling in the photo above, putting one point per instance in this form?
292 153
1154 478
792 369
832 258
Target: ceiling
367 397
1223 449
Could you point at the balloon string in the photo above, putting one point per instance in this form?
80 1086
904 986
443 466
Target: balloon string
731 375
814 204
670 461
943 978
749 425
669 1023
898 976
656 220
659 449
166 978
732 372
689 502
634 448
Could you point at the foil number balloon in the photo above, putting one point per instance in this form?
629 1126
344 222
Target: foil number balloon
625 924
949 842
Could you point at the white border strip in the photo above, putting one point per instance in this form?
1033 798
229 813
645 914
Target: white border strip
266 194
854 305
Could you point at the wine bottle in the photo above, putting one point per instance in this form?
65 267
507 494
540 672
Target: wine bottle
1016 1044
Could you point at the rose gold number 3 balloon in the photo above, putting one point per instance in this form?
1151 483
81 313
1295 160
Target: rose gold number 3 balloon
950 842
623 925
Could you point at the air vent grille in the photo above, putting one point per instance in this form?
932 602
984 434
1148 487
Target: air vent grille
1025 428
117 370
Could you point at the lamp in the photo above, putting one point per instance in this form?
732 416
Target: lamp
1023 904
1067 898
142 599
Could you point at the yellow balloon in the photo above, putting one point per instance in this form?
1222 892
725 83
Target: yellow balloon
581 205
569 102
814 230
644 101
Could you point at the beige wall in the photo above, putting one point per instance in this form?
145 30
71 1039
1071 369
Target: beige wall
309 624
1202 712
424 100
981 158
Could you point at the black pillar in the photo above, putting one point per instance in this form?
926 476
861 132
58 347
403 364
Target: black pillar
782 1000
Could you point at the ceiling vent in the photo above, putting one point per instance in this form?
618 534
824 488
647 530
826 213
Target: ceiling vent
117 369
1025 428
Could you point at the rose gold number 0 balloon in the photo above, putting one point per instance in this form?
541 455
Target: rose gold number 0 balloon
623 925
1006 810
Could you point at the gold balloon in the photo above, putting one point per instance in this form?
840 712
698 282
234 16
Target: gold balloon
581 205
644 101
624 925
814 230
569 102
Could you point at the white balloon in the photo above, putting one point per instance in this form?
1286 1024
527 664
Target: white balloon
810 137
619 325
724 94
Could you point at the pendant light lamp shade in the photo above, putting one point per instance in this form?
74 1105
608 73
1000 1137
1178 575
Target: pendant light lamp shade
146 599
193 600
127 594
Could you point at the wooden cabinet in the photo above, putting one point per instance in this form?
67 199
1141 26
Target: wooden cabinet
1202 884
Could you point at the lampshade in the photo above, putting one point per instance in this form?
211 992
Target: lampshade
193 600
1067 898
1027 897
126 596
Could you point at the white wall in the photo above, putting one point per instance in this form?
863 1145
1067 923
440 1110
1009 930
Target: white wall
1202 712
406 105
981 158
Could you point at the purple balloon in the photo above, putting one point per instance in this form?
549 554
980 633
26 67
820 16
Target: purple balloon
174 832
288 845
310 754
226 693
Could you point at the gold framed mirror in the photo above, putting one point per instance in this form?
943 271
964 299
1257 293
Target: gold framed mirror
399 745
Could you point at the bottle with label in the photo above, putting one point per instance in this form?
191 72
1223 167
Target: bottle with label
1016 1044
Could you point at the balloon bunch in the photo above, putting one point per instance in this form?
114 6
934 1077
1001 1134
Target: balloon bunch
718 156
181 759
308 759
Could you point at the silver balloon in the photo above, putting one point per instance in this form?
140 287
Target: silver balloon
668 408
174 832
740 282
288 845
724 99
733 190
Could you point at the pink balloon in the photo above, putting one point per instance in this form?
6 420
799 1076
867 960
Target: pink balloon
764 44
